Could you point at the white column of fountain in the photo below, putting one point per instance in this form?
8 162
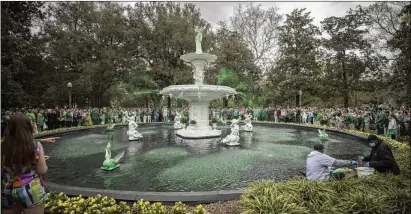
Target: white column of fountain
198 108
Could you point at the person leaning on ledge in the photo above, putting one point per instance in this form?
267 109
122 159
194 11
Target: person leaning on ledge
318 163
381 157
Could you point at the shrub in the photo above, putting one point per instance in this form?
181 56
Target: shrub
179 208
46 132
157 208
193 122
58 203
200 210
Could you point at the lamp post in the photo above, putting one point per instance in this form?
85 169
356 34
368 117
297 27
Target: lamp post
301 94
69 86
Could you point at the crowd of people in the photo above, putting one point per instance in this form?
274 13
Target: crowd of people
392 122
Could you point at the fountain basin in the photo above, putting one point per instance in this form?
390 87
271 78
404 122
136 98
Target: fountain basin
198 133
162 162
198 93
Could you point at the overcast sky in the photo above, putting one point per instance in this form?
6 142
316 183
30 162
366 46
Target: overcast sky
213 12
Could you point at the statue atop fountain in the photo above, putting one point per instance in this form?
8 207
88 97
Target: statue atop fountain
248 127
198 95
132 133
177 121
110 164
233 138
199 39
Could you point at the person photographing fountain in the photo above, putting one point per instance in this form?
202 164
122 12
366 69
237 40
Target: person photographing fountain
318 165
380 158
23 164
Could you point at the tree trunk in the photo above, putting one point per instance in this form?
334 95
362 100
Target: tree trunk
96 100
346 94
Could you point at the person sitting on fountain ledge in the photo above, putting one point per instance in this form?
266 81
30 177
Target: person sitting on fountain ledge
381 157
318 163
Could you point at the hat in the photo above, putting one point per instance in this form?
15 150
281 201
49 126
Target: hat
372 138
319 147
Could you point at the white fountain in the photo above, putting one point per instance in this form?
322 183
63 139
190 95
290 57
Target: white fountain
198 95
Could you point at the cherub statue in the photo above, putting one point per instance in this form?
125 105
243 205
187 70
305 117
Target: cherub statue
110 164
233 138
177 122
132 133
248 127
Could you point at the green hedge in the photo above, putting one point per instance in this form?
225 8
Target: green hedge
71 129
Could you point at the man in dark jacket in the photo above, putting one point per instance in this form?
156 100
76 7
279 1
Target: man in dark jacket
381 157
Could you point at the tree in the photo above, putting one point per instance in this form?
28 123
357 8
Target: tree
85 42
234 57
259 29
160 33
349 55
18 50
298 44
402 42
384 22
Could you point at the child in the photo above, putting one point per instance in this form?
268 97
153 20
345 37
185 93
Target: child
367 123
392 127
23 164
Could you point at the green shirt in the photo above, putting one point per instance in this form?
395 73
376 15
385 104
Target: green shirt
31 115
68 116
41 119
381 119
367 121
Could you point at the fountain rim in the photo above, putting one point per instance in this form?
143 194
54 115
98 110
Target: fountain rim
200 197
